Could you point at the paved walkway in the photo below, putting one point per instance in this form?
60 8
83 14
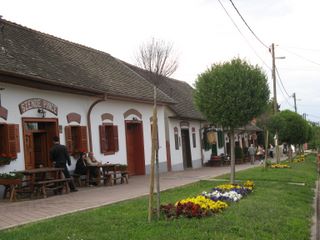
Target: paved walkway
22 212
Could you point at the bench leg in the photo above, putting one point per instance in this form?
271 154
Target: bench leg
6 191
43 190
12 192
66 185
124 178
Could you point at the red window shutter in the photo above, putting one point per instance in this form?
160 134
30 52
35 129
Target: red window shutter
102 132
115 138
68 135
12 143
83 139
17 138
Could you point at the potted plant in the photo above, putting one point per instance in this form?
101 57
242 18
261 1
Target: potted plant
11 178
5 159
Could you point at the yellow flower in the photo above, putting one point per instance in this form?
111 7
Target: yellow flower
205 203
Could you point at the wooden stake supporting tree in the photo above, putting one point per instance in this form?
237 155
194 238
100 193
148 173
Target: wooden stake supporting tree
156 57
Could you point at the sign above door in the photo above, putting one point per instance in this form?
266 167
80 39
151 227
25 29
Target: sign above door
38 103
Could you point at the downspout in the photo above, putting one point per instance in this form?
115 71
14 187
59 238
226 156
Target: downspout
201 146
89 120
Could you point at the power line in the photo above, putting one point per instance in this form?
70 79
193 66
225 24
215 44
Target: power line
302 57
285 98
282 82
313 115
243 35
248 25
305 49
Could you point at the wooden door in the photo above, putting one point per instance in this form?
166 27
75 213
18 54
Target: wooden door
186 151
38 135
28 150
135 148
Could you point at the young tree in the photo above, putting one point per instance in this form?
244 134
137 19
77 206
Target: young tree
157 57
314 142
231 94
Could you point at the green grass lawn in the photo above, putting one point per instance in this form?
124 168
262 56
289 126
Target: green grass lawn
275 210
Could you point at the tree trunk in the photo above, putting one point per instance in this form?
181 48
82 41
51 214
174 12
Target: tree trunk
232 165
266 132
153 155
277 148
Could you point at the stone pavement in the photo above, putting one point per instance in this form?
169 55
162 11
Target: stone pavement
26 211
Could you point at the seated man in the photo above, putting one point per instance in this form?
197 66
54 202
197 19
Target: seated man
92 161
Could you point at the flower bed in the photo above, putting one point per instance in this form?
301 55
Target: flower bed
11 175
299 158
208 203
279 165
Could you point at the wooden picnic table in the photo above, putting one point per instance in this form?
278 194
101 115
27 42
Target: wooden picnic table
108 172
46 178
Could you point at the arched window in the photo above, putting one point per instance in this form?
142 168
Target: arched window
108 132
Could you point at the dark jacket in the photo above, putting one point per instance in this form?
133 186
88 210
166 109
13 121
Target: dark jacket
81 168
60 155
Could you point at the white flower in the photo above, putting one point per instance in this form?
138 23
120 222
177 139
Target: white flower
232 195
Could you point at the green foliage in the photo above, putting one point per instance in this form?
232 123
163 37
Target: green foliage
291 127
262 119
314 142
232 93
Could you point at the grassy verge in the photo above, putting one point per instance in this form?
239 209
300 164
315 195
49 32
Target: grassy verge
275 210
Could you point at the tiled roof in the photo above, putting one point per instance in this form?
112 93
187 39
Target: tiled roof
33 54
180 91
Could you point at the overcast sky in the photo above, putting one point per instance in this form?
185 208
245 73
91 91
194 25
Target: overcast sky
201 31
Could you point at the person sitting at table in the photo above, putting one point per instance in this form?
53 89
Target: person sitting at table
91 162
81 165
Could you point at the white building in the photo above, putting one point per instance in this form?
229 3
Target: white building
93 102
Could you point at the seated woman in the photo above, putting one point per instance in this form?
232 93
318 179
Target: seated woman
92 161
81 166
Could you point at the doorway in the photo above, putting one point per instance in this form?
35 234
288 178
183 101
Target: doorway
135 148
40 143
186 151
38 134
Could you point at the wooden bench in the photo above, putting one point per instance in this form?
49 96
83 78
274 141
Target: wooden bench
10 187
54 185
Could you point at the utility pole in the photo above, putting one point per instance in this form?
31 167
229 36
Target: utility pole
295 102
275 103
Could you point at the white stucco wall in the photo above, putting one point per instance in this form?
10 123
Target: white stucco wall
117 109
13 95
176 155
